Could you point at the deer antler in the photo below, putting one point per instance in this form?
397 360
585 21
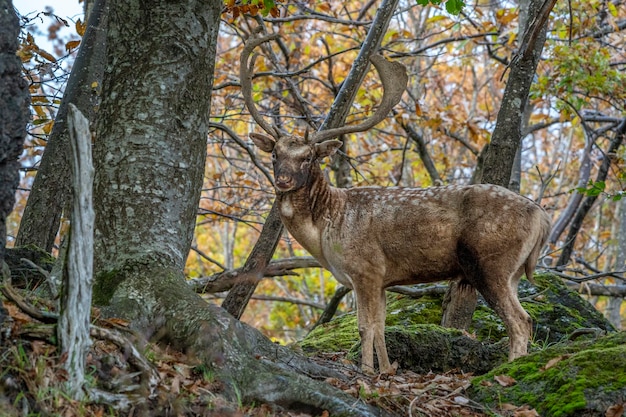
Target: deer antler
245 77
394 78
392 74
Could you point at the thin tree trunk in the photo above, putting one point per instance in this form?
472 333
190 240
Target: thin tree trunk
74 320
336 117
51 188
587 203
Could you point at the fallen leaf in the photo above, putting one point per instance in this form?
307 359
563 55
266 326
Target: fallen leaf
525 411
505 380
552 362
615 410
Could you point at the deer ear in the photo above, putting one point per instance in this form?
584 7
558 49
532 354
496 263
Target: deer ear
327 148
264 142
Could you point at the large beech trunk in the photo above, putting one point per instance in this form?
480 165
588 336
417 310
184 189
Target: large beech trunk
150 154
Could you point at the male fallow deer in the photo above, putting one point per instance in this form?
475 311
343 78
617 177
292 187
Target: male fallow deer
371 238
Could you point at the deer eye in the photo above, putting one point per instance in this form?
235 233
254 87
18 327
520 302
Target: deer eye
273 157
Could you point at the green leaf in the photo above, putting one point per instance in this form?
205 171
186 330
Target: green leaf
454 6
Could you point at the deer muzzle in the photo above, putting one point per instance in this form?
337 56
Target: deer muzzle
284 183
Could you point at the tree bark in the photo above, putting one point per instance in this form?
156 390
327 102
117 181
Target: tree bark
14 115
51 188
75 317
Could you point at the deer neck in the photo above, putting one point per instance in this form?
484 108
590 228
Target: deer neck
306 211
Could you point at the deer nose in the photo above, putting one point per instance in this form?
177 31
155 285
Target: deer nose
284 182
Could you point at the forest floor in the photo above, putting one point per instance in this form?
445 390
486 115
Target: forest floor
32 381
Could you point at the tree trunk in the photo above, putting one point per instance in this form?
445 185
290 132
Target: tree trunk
500 154
149 157
51 188
14 114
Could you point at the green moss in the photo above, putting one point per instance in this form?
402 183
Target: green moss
105 285
404 311
588 377
337 335
342 332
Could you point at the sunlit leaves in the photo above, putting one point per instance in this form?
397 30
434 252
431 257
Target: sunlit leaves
237 8
452 6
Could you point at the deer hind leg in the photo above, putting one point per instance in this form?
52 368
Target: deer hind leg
379 336
501 295
371 322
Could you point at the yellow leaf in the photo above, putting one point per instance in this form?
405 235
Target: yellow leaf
39 99
40 112
94 85
80 27
436 18
71 45
47 128
512 38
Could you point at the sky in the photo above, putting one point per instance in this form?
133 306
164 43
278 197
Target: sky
67 9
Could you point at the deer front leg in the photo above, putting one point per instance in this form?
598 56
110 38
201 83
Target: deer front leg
371 322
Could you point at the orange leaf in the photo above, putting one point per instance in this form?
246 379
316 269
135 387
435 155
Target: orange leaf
552 362
46 55
71 45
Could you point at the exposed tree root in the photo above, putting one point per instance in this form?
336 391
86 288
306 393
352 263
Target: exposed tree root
252 368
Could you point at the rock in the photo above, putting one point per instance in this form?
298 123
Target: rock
417 342
581 378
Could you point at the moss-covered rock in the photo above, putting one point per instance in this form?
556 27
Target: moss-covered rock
582 378
425 348
556 312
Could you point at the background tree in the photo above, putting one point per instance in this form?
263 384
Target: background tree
13 116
